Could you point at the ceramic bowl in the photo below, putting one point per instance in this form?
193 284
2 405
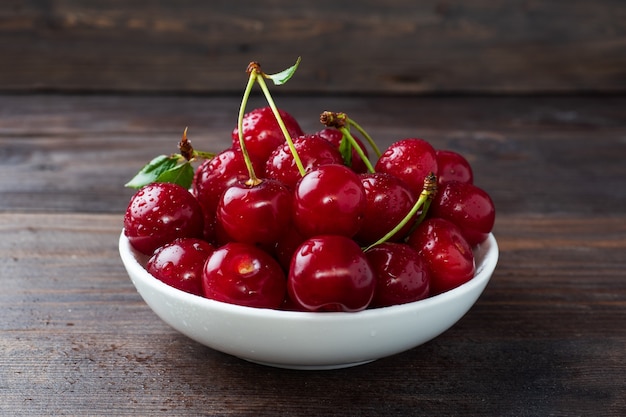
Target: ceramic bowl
307 340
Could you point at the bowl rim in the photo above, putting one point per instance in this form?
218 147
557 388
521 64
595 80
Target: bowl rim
488 252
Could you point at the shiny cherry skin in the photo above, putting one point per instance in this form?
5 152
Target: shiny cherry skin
262 134
449 257
452 166
402 276
334 136
312 150
180 264
468 206
256 214
215 175
159 213
330 273
243 274
411 160
286 246
388 201
330 199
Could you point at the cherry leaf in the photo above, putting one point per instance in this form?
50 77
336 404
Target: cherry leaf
152 170
282 77
181 174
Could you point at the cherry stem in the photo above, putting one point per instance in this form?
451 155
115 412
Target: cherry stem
357 148
260 78
342 122
367 137
203 155
188 152
423 202
253 180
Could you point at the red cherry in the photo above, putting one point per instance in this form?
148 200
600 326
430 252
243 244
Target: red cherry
257 214
453 166
159 213
448 255
180 264
330 199
402 275
389 200
330 273
242 274
467 206
262 134
312 150
208 232
287 245
335 136
411 160
215 175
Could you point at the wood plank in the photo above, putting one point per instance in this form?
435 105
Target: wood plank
535 155
545 338
398 47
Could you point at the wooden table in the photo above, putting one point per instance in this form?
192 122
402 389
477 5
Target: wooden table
547 337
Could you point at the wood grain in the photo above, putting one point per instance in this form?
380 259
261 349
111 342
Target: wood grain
398 47
548 148
543 339
547 337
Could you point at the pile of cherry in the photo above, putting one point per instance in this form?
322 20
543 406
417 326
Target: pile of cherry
287 220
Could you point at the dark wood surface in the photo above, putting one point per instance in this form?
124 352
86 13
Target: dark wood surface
547 337
398 46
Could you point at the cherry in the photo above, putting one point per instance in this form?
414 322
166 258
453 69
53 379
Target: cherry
312 150
255 214
402 275
448 255
262 133
208 232
317 198
330 273
159 213
335 136
467 206
214 176
180 264
287 245
388 201
242 274
411 160
330 199
452 166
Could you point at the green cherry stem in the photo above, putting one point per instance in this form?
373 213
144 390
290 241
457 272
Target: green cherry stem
260 78
367 137
357 148
342 122
423 202
203 155
253 180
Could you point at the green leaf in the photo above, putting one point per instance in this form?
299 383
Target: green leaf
282 77
181 174
153 170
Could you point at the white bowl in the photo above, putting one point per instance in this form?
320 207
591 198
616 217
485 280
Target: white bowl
303 340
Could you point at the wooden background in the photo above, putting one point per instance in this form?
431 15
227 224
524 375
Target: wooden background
532 92
392 46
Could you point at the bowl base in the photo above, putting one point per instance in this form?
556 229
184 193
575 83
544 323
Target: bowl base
309 367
